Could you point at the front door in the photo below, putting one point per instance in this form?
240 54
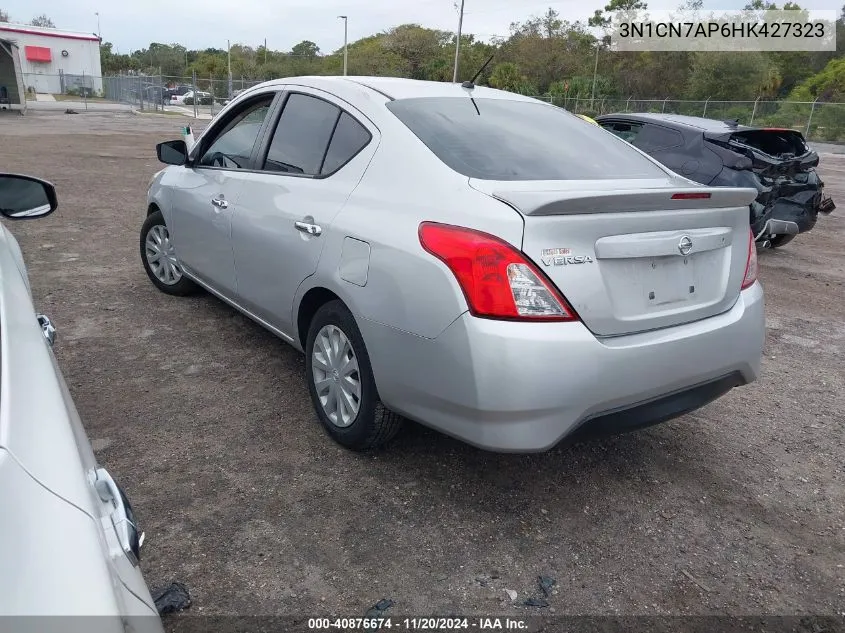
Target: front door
315 157
206 192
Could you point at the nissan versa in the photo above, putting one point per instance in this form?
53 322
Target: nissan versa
481 262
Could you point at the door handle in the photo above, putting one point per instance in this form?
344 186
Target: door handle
47 328
220 202
305 227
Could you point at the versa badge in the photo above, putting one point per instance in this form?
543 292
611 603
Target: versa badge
563 257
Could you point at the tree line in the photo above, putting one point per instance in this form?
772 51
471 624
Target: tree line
543 55
38 20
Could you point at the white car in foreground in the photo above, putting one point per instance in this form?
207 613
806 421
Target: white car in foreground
69 541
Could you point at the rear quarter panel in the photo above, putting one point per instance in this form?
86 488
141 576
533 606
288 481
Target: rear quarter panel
407 288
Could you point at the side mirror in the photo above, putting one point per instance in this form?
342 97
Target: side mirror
172 152
26 197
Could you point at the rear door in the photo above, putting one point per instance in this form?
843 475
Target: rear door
631 246
313 158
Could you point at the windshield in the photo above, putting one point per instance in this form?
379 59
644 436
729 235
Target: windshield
503 139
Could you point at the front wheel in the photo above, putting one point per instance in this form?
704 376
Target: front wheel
341 383
159 258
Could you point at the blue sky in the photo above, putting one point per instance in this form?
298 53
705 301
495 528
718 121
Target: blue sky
209 23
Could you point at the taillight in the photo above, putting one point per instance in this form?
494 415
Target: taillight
750 263
497 280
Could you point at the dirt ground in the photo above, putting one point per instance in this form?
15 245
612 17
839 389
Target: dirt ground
204 418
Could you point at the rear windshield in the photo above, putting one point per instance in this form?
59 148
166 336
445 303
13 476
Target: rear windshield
503 139
775 142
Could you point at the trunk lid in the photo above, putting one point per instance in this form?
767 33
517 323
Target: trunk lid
626 255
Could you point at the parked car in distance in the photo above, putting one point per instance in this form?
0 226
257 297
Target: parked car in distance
69 540
202 98
475 260
776 162
167 95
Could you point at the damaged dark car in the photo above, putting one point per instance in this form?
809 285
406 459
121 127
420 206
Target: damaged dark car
776 162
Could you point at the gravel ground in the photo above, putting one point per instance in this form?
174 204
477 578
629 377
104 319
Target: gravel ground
205 419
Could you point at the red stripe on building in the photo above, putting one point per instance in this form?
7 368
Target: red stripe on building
89 38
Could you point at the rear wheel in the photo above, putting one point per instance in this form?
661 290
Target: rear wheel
781 240
341 383
159 258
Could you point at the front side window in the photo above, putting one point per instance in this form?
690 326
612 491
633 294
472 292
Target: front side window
511 139
232 148
302 135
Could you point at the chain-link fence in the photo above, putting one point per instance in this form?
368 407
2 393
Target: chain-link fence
204 97
818 121
190 96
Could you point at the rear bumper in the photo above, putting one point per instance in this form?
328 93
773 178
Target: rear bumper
521 387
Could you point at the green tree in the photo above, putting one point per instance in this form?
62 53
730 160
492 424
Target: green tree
506 76
43 20
827 85
4 17
731 76
416 45
368 56
306 49
600 18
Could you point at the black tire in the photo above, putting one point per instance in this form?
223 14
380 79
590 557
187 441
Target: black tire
374 425
180 288
781 240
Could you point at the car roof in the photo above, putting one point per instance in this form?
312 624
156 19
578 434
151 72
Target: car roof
694 123
396 87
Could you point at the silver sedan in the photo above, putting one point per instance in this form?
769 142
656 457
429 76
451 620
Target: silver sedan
478 261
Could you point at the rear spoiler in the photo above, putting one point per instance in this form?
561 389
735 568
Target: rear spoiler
538 203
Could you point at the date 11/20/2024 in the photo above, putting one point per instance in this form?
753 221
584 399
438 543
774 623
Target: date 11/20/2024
417 624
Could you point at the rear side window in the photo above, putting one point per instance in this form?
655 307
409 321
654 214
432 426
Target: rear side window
302 135
348 139
504 139
656 137
625 131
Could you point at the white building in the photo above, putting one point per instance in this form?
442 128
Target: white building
54 61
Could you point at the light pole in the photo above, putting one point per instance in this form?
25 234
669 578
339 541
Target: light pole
458 43
99 34
345 48
229 64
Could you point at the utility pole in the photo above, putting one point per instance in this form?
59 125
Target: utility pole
99 34
595 71
345 40
265 51
458 43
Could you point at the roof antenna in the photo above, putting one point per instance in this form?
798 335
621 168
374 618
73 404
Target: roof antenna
471 82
